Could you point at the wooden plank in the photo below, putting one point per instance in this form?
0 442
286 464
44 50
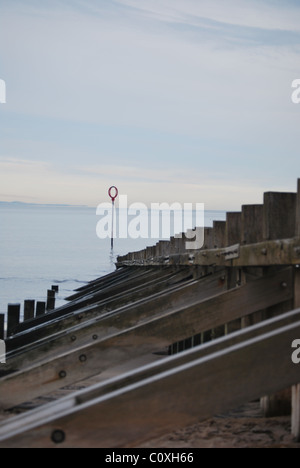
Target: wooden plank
74 319
29 307
252 224
149 336
13 317
279 215
40 312
267 253
147 407
277 405
233 228
296 412
104 280
219 234
2 319
110 323
208 238
139 280
137 277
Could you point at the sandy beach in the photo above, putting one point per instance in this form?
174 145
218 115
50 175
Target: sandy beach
243 428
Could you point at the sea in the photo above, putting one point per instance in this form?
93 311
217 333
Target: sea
45 245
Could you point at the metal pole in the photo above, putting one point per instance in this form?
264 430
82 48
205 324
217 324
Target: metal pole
113 197
112 225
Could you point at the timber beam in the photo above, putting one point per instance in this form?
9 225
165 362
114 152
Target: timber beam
268 253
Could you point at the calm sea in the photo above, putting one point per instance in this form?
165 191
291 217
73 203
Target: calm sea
45 245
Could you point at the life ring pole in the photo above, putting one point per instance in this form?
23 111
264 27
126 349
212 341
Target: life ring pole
113 193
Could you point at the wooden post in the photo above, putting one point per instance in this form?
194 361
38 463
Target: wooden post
29 309
2 318
279 215
296 388
298 211
13 317
208 238
252 224
55 288
40 308
233 228
277 405
50 300
296 412
219 234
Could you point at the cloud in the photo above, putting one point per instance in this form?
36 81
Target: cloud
242 13
165 96
39 182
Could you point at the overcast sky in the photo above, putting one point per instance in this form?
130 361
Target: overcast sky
171 100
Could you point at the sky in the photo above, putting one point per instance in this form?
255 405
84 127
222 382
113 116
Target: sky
170 100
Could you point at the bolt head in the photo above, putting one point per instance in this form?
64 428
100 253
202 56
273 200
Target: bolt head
58 436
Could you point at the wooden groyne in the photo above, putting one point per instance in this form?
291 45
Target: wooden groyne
170 338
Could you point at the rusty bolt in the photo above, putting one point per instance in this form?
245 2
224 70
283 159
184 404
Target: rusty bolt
95 337
73 338
82 358
62 374
58 436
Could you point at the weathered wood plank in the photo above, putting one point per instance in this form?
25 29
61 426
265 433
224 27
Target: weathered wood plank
279 215
252 224
29 307
183 395
114 300
2 319
208 238
296 412
137 277
102 327
151 292
104 279
233 228
13 317
219 228
149 336
268 253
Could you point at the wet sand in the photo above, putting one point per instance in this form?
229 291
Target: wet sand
243 428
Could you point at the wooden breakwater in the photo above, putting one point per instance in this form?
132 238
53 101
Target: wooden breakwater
170 338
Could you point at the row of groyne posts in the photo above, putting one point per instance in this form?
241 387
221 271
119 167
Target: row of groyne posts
31 310
240 291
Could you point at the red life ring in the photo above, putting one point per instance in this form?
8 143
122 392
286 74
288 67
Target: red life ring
113 197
